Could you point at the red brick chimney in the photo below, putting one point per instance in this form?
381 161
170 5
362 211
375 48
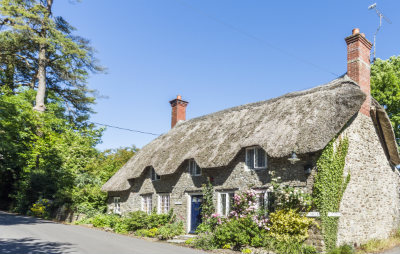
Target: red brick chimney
358 65
178 110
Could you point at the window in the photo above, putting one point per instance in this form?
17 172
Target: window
194 169
117 205
256 158
147 203
153 175
163 203
225 202
265 201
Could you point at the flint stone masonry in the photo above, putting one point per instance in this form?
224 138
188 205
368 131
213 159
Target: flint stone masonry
370 204
235 177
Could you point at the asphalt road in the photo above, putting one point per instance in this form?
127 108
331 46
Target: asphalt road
21 235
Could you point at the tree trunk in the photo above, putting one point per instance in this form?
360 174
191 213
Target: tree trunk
41 91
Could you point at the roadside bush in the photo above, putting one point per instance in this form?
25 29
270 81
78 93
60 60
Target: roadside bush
344 249
136 220
170 230
155 220
289 225
237 232
153 232
141 220
40 208
121 227
105 220
205 241
291 247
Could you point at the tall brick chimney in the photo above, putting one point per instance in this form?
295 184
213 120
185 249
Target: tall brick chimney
358 65
178 110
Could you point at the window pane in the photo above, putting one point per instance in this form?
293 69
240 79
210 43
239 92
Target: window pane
231 195
270 202
260 158
250 158
198 170
223 204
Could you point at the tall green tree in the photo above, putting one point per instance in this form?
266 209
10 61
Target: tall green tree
41 52
41 164
385 88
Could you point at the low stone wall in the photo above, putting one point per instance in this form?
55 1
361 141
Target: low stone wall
315 237
65 214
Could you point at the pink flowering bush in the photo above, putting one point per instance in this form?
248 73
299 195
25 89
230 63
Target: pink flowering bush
245 206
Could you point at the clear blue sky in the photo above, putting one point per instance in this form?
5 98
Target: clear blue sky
156 49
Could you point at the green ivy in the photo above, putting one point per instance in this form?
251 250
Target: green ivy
329 187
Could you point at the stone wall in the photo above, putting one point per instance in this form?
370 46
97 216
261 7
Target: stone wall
234 177
370 204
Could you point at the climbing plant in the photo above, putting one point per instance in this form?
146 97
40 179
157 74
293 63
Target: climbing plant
207 207
329 187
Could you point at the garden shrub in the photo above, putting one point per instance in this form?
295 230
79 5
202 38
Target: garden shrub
105 220
237 232
170 230
121 227
205 241
292 247
136 220
153 232
40 208
289 225
155 220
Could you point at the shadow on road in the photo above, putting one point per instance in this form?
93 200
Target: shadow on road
32 245
10 219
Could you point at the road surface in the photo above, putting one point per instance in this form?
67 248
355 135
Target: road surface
21 235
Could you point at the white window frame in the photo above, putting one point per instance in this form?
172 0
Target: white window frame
266 195
117 205
255 159
227 203
154 176
166 207
194 169
147 202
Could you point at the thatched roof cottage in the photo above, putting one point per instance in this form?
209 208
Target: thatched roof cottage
237 148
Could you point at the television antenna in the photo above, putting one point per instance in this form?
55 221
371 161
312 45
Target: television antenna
381 16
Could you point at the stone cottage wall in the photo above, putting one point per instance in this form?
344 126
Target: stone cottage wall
370 205
233 177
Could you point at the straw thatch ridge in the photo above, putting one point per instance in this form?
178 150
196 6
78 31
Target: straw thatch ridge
302 121
382 121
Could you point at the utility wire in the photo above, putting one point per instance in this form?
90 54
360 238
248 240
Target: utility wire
262 41
125 129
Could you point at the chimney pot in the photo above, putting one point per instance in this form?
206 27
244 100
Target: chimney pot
178 110
358 65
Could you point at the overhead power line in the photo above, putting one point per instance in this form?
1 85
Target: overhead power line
125 129
262 41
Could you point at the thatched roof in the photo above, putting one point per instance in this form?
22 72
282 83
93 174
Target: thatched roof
382 121
302 121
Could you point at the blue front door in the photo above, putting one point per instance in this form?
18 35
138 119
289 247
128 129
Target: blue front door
195 218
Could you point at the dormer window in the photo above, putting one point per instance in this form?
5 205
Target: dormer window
256 158
153 175
194 169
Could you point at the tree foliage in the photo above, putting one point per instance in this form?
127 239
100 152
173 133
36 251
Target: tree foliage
31 32
385 88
